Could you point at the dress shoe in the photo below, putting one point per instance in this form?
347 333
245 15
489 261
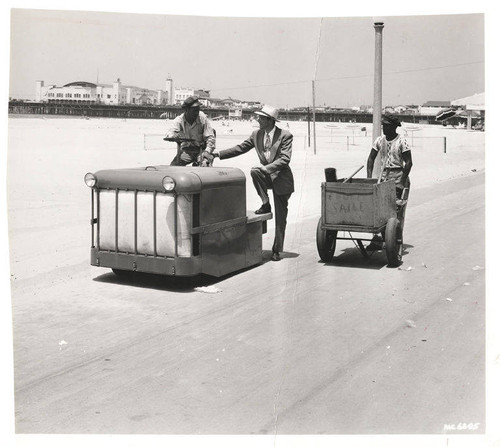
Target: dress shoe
276 256
265 208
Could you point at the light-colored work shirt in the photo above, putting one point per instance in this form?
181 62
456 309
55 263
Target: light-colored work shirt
391 151
201 131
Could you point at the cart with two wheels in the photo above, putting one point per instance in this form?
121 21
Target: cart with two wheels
360 206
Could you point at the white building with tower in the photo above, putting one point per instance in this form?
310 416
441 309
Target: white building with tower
110 94
118 93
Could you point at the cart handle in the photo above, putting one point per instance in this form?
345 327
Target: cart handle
353 174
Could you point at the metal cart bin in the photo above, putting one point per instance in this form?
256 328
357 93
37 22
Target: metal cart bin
363 206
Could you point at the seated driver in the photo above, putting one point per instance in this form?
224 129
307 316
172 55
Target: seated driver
195 125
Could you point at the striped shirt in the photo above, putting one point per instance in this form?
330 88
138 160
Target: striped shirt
393 149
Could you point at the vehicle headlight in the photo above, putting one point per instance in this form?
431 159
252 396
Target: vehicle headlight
90 180
168 183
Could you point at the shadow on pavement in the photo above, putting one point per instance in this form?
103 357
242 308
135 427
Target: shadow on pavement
158 282
267 254
181 284
352 258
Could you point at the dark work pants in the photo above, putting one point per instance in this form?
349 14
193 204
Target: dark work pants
262 183
186 156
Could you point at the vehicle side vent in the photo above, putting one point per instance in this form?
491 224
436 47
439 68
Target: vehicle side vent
196 223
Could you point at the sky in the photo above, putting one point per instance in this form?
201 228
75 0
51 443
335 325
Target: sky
271 59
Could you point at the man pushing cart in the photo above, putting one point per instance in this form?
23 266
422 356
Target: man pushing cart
396 161
369 205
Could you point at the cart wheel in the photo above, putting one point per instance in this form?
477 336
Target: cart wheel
326 240
393 242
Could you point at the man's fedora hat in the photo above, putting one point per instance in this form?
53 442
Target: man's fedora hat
268 112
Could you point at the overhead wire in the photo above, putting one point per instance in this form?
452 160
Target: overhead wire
337 78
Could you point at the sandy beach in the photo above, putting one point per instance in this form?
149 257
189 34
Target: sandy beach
295 347
48 158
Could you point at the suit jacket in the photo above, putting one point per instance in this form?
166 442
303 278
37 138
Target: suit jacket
279 160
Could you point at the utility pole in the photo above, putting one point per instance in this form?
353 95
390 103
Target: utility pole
377 92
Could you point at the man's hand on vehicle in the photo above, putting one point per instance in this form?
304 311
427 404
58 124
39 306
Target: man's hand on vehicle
207 158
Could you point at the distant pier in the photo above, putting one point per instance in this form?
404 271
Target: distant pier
170 112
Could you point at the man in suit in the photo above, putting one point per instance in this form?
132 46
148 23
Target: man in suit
274 149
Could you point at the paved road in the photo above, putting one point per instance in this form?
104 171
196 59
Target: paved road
295 347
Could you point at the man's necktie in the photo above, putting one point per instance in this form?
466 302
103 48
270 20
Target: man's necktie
267 147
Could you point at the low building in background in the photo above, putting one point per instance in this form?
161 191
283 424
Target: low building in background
116 93
90 93
432 108
182 93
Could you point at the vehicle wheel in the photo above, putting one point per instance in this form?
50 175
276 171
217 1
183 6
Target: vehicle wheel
393 242
326 240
